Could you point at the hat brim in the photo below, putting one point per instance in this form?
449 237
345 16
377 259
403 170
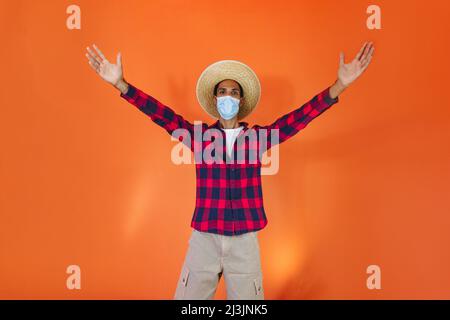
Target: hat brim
228 69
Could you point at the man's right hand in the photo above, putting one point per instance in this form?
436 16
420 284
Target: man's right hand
111 73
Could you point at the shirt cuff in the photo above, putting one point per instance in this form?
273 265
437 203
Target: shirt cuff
328 98
129 94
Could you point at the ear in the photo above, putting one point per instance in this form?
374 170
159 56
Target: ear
241 103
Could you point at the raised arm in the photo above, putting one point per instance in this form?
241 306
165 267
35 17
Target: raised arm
292 122
159 113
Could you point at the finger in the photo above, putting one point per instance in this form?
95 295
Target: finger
341 58
364 68
93 61
367 56
366 51
119 59
361 51
99 52
93 55
366 64
93 67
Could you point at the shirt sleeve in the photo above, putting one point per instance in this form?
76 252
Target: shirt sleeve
160 114
291 123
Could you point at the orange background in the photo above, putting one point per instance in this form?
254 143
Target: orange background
87 179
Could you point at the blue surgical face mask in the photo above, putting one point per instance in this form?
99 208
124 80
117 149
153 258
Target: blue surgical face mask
227 106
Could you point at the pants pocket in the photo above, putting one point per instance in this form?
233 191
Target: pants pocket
182 283
259 290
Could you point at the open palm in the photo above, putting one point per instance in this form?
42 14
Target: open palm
349 72
109 72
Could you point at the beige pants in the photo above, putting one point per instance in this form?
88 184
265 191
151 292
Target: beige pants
210 255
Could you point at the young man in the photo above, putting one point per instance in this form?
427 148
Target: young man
229 207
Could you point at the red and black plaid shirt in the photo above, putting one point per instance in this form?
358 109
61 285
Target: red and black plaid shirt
229 195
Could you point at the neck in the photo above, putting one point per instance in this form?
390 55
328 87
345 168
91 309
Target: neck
229 124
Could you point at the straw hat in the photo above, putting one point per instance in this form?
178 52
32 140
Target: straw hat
228 69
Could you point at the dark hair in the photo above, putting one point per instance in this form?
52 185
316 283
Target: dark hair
217 86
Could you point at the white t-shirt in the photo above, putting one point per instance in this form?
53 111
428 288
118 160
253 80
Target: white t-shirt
231 135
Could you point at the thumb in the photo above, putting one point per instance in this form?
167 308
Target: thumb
119 59
341 58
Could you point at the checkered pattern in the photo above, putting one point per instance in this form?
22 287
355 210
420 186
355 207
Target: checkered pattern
229 198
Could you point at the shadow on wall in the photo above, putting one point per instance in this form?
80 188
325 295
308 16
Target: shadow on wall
302 286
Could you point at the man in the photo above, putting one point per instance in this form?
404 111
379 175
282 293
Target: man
229 207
